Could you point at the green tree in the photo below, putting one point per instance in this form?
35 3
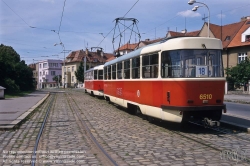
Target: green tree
15 74
80 73
57 78
239 75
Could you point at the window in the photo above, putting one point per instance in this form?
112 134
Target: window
45 65
109 72
40 65
227 38
119 70
53 73
105 73
247 38
73 78
241 57
127 69
73 68
150 66
114 71
191 63
95 74
136 67
68 69
100 74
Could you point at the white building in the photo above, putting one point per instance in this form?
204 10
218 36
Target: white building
47 70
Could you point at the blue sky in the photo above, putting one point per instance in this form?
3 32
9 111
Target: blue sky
31 26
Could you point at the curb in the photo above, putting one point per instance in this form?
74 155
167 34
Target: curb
240 127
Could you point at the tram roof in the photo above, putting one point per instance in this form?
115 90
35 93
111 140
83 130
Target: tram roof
173 43
99 67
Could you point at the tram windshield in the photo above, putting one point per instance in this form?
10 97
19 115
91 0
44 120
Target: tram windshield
191 63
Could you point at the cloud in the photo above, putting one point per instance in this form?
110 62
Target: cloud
221 15
188 13
51 1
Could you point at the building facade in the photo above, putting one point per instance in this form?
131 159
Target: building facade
47 70
73 60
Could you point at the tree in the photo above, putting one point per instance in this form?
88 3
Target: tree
15 74
239 75
57 78
80 73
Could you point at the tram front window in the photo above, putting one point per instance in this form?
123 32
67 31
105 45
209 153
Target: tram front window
191 63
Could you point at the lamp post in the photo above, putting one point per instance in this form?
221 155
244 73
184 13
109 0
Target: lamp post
64 71
191 2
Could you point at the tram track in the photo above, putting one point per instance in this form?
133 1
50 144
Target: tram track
233 154
103 120
97 148
50 103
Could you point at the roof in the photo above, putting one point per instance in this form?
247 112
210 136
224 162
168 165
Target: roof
237 39
1 87
176 34
229 30
128 47
79 55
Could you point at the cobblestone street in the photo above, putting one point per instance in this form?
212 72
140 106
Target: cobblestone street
128 139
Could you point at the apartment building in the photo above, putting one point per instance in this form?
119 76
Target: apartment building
47 70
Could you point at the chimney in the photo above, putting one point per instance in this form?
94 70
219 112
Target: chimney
86 51
245 18
184 31
147 39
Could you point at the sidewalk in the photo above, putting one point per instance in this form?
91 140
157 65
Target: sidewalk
14 110
244 99
240 121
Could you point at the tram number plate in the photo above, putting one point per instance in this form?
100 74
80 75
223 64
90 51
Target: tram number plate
206 96
201 71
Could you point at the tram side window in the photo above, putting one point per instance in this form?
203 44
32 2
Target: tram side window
114 71
100 74
166 69
136 67
127 69
105 73
119 70
150 66
95 74
109 73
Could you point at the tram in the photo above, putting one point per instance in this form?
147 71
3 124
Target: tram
172 80
93 81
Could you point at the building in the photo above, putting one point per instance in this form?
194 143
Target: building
47 70
126 48
235 40
34 67
73 60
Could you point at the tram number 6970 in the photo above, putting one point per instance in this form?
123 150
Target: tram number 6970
206 96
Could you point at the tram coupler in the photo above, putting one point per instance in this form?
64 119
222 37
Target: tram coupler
211 123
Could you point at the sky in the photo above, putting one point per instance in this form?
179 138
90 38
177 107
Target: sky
35 28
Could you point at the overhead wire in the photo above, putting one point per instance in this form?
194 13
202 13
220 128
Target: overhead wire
17 15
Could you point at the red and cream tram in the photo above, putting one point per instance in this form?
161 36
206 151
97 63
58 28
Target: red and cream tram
93 81
172 80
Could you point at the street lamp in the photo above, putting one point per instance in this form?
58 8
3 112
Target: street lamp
64 70
191 2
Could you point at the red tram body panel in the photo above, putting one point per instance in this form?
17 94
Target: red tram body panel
94 81
173 80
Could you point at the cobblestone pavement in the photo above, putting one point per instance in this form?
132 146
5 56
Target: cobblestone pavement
21 140
128 139
138 142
